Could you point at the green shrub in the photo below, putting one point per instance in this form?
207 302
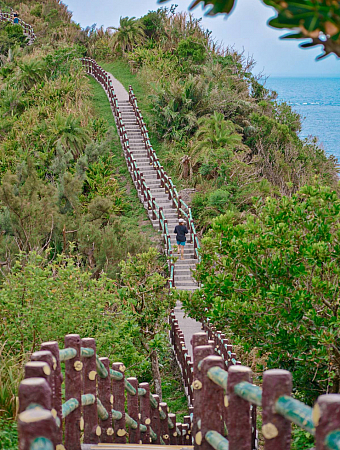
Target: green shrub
191 50
272 279
37 10
8 434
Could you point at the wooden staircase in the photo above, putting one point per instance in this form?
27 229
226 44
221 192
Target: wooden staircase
183 279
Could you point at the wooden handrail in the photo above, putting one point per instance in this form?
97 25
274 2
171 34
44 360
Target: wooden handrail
183 210
93 69
89 405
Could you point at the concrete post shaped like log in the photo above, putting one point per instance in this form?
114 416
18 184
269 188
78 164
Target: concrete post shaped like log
53 347
118 391
212 398
275 428
106 398
239 420
92 430
73 368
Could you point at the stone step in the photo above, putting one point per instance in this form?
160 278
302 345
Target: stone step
179 279
186 288
180 264
184 272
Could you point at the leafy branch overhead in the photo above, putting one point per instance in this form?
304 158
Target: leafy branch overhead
318 20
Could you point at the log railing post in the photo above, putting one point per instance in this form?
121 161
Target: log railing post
164 424
211 414
36 424
34 391
47 357
173 432
118 390
92 430
326 418
188 437
185 435
73 368
200 352
155 420
275 428
106 397
53 347
239 423
133 411
145 413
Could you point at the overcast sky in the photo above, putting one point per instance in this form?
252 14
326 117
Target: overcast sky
245 29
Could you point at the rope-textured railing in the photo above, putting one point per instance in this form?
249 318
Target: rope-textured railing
94 402
157 213
27 28
183 209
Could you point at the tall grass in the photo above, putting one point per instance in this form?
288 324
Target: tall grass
11 373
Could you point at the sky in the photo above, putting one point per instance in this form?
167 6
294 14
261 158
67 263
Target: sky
246 30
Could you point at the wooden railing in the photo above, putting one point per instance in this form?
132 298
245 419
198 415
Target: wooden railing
157 213
27 28
183 209
223 416
93 410
208 342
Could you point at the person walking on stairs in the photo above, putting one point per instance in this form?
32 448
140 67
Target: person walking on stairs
180 231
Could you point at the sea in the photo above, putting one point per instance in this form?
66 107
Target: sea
318 102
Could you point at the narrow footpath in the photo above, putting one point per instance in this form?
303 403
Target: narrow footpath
182 273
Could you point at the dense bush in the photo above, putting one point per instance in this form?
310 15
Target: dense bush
272 280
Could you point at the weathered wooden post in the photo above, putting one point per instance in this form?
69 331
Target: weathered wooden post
73 368
275 428
185 435
133 411
45 356
188 438
173 432
36 426
106 398
239 423
37 369
155 420
211 414
92 430
164 424
326 418
34 391
200 352
118 390
53 347
179 433
145 412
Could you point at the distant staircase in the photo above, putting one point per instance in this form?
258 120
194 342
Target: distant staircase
155 188
182 269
